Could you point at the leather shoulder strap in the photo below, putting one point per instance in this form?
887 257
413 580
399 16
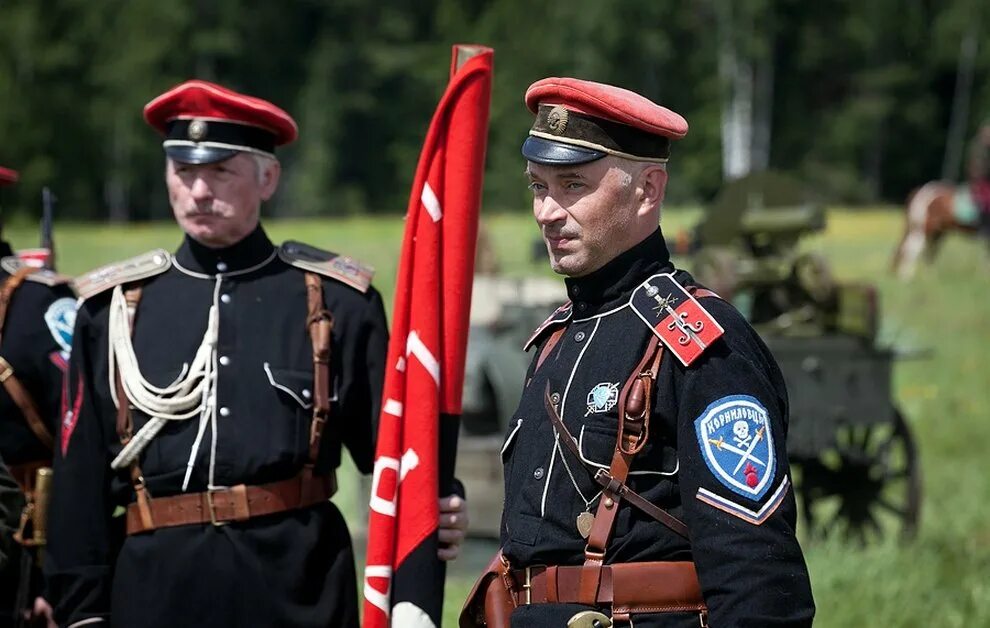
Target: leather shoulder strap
7 289
319 321
18 393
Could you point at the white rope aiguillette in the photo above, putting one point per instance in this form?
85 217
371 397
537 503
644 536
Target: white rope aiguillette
192 393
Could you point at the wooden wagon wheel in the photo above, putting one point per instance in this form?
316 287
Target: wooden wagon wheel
867 486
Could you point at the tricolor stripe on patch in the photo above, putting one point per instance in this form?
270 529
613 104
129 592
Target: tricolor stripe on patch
756 517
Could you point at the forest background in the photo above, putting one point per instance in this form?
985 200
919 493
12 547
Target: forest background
862 100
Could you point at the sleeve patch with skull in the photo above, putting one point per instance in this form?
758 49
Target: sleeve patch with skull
736 442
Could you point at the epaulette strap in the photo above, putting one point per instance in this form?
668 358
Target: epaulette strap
340 267
12 264
140 267
561 315
675 316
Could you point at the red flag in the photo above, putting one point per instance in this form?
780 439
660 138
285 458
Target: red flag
403 583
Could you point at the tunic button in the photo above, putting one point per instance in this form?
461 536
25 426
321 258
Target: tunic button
582 306
538 474
222 267
555 398
225 298
576 289
579 336
224 360
306 394
225 411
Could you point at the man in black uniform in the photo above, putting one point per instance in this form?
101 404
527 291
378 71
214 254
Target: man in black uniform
236 372
646 474
37 313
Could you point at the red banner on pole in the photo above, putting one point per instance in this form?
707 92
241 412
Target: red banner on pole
403 584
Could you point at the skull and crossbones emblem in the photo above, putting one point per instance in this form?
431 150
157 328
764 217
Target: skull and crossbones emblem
740 431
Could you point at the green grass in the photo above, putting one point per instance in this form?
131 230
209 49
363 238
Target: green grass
942 578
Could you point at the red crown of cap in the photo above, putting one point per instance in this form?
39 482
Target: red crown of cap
8 176
608 102
202 99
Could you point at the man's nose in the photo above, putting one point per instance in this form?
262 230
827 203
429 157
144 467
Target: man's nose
200 189
549 211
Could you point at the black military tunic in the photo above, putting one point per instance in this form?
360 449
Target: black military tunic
37 335
750 566
36 344
288 569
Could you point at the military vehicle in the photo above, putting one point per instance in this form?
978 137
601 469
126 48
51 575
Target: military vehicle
852 453
854 457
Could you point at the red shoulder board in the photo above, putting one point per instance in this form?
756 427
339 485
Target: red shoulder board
675 316
561 315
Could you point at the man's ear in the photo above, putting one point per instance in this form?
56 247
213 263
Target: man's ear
270 178
653 183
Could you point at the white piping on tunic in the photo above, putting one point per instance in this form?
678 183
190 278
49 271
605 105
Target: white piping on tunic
602 315
233 273
302 402
87 622
677 461
563 405
508 440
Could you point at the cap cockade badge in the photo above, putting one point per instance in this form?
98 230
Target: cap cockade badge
557 120
197 130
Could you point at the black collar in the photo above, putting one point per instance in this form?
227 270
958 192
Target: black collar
5 250
251 251
610 286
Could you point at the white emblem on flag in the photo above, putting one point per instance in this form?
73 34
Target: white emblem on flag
408 615
393 407
373 595
416 347
431 203
385 504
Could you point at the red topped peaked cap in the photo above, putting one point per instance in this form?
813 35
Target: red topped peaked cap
205 123
581 121
8 176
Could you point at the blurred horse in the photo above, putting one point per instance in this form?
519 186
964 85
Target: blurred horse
932 210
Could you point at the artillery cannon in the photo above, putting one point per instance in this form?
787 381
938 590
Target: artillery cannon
853 454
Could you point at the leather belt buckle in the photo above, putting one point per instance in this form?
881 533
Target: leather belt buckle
589 619
528 585
237 504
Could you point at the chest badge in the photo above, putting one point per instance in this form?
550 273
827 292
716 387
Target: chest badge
602 398
737 444
676 317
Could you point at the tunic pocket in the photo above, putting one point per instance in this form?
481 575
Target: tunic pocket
293 386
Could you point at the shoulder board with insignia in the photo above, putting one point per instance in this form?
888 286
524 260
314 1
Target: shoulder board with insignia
140 267
12 264
561 315
676 317
340 267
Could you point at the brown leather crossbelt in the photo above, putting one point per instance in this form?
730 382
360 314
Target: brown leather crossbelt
628 588
237 503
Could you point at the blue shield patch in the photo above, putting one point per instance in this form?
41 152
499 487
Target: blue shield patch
737 444
61 318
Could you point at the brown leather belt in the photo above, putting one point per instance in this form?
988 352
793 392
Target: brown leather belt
627 588
237 503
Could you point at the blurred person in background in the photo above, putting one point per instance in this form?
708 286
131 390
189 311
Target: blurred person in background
37 314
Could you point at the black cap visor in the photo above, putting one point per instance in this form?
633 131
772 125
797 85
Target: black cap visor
198 153
548 152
